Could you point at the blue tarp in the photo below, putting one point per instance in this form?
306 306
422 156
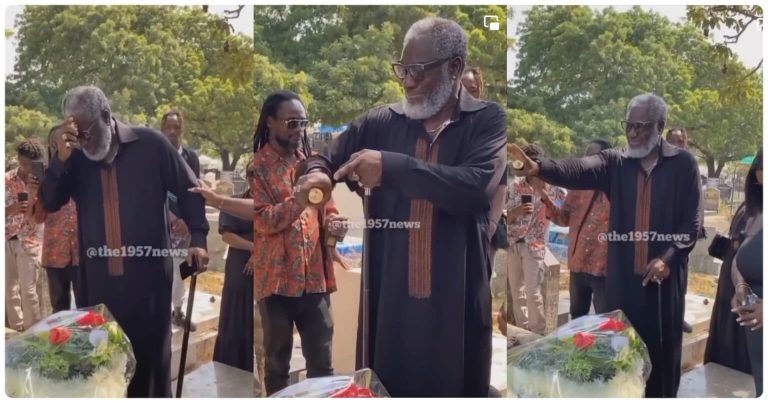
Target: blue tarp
331 129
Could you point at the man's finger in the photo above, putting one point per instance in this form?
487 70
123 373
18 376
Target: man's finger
347 168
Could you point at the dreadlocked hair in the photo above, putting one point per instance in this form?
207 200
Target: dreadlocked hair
32 149
478 77
269 108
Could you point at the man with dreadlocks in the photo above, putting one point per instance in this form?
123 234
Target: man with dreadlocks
23 239
435 159
293 273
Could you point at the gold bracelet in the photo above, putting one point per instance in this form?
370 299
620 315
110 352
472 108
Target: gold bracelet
743 285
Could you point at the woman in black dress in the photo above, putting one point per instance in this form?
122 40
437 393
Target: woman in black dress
747 274
727 343
234 343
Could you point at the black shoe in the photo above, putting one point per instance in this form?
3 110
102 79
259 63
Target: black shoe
687 328
179 319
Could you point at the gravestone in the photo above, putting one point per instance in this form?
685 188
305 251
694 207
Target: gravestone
550 291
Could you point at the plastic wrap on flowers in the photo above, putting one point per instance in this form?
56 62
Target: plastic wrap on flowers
592 356
81 353
362 383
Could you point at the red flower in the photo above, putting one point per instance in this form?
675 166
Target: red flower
59 335
353 391
613 324
91 319
583 340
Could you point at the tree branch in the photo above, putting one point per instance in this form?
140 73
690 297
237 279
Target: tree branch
753 71
730 39
232 14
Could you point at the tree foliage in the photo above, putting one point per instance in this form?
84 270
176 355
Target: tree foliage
21 124
529 127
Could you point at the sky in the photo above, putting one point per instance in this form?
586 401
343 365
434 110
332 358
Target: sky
243 24
749 48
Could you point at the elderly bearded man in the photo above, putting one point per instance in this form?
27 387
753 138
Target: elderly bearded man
655 191
119 178
433 161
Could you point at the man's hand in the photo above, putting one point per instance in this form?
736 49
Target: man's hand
337 258
212 198
201 255
336 225
17 208
529 167
656 271
310 181
179 228
363 166
66 139
248 269
750 315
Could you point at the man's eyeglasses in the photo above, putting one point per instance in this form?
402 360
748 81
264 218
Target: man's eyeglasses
416 70
86 134
294 123
640 127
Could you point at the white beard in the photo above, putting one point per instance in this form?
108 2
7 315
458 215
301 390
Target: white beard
434 102
643 151
103 148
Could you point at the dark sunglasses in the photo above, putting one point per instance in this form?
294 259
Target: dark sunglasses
416 70
639 127
294 123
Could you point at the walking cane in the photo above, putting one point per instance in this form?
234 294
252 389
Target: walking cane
187 324
661 338
364 271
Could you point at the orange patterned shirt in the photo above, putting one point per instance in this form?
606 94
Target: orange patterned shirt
19 225
288 260
60 244
587 250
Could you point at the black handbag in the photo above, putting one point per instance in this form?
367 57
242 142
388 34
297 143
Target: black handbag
499 239
719 247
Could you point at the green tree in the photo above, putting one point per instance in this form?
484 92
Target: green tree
21 124
721 130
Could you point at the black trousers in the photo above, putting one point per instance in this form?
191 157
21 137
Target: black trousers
584 290
60 281
312 316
